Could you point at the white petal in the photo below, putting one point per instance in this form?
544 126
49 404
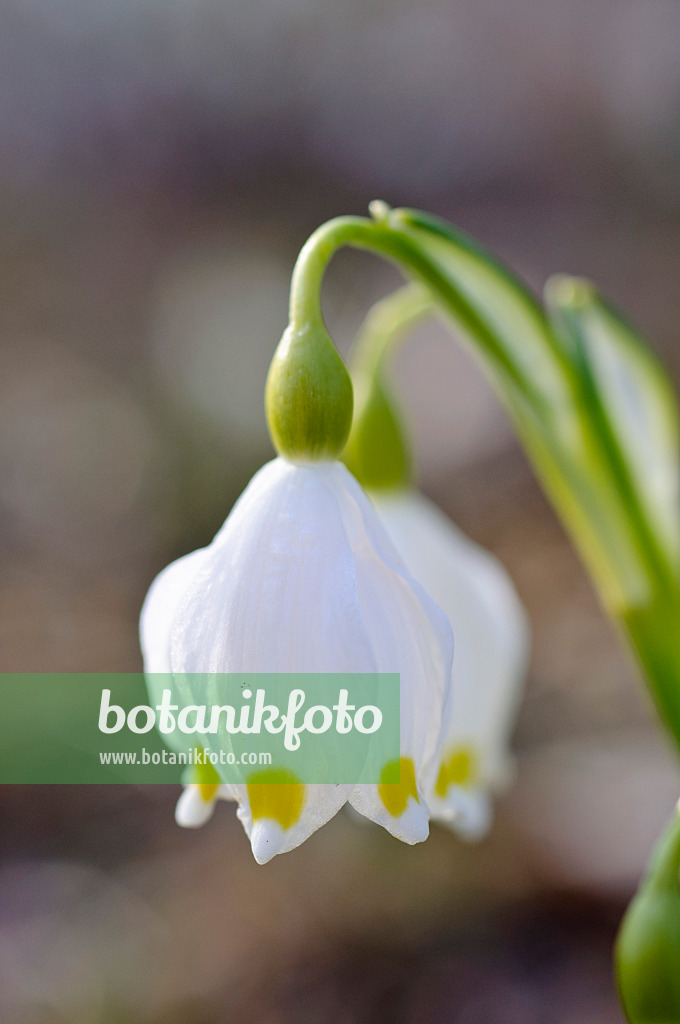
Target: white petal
410 636
160 608
227 792
409 632
411 827
490 629
277 589
165 595
410 824
193 810
269 836
469 812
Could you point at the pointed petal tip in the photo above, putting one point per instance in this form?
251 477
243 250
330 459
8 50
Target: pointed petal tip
192 811
413 826
266 840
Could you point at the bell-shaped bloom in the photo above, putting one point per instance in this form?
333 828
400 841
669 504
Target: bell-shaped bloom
302 577
492 645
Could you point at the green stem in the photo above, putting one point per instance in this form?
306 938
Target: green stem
384 239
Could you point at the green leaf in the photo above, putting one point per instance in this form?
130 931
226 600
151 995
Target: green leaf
537 380
499 312
631 400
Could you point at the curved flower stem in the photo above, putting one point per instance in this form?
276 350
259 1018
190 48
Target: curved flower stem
384 238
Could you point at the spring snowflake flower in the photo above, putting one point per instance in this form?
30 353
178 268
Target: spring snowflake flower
302 577
492 644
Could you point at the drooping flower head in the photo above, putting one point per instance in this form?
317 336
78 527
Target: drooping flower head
302 577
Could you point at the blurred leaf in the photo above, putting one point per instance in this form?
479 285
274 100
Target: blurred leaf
630 397
542 384
500 313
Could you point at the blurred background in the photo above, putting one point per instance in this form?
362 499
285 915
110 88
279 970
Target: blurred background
161 164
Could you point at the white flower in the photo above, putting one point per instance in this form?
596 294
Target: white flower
492 644
302 577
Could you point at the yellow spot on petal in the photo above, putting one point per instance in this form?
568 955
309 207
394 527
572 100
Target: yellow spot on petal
208 791
277 794
207 780
459 768
394 795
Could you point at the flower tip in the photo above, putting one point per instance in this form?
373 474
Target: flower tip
379 210
192 810
472 814
266 840
414 825
568 292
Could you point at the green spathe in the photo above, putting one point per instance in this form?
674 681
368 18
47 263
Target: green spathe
377 452
308 397
648 947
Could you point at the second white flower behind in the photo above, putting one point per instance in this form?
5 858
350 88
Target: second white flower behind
490 663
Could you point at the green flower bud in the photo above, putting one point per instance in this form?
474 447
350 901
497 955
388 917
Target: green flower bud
308 396
648 946
377 452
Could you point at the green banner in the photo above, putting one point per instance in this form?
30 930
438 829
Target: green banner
165 728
